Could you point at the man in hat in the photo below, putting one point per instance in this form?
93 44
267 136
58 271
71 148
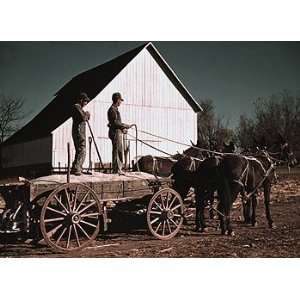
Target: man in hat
79 117
115 133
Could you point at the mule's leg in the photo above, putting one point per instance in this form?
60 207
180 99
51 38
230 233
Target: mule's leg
221 218
246 211
224 209
202 218
200 205
183 195
224 194
254 205
211 203
235 189
267 192
197 220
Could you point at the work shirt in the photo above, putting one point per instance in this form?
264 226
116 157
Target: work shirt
114 120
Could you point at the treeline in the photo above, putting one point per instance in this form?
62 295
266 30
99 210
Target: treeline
276 118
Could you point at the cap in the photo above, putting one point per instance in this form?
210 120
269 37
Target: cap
84 97
117 96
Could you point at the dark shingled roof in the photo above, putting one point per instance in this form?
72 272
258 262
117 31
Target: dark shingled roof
92 82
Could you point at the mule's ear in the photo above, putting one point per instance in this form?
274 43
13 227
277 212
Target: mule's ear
285 145
193 144
281 138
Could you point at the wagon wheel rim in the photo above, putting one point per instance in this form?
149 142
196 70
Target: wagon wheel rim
70 217
165 214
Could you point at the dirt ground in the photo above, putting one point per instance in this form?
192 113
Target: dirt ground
260 241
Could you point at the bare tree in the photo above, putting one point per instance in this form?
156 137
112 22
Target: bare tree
212 130
11 113
275 116
245 133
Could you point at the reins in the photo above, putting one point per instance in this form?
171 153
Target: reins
183 144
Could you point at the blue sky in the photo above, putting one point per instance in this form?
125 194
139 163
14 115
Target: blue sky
233 74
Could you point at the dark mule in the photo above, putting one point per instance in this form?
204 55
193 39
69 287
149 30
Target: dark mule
157 165
162 166
277 154
229 175
206 179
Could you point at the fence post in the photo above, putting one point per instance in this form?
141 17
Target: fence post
69 158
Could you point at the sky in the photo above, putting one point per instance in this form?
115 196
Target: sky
232 74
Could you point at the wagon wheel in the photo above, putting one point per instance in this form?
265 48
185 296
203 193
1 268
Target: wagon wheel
70 217
165 214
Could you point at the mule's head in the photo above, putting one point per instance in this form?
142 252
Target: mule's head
282 152
286 154
194 151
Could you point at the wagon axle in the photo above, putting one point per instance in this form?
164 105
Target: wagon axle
166 214
75 218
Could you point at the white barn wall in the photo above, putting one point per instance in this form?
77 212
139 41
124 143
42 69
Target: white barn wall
151 101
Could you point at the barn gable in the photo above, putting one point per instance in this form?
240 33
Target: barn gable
156 101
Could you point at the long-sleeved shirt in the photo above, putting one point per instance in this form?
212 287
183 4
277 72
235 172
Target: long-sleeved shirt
114 119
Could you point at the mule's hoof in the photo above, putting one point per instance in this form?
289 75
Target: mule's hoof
273 226
255 224
223 232
231 233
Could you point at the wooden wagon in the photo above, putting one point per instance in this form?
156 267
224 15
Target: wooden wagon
69 214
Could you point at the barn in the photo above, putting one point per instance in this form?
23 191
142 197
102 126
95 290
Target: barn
155 100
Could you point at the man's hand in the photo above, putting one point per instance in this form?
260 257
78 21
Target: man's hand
88 115
124 131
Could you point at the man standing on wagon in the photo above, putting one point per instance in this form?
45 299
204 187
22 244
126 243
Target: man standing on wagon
115 133
79 117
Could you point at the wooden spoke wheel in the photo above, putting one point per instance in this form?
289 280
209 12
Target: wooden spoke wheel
165 214
70 217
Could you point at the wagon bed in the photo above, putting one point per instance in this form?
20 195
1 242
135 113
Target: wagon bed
70 214
106 186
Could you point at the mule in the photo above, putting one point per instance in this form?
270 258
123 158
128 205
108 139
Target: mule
278 153
229 175
162 166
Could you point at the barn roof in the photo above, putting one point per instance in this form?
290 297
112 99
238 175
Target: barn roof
92 82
